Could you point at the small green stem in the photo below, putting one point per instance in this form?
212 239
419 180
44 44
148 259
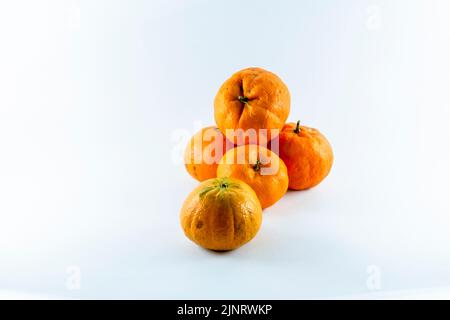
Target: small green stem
257 165
242 99
223 185
297 128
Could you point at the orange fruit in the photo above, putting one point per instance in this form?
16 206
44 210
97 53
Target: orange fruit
251 100
307 154
203 152
221 214
260 168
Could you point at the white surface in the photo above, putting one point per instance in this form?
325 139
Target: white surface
95 97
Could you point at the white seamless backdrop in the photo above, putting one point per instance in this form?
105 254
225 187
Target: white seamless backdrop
94 96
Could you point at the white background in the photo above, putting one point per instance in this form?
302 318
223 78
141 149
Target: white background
97 98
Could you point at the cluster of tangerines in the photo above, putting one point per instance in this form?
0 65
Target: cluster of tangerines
249 161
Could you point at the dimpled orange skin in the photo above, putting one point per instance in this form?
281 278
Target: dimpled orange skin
252 98
269 184
307 154
208 138
221 214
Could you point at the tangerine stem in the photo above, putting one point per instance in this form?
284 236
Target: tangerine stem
257 166
242 99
